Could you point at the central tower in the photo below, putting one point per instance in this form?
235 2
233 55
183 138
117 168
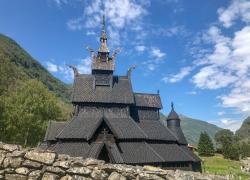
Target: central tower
103 65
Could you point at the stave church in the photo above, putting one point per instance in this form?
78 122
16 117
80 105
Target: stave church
112 123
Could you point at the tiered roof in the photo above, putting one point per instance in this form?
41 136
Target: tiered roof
111 118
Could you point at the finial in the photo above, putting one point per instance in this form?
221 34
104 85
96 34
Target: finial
76 73
103 23
116 51
172 105
103 48
130 70
158 91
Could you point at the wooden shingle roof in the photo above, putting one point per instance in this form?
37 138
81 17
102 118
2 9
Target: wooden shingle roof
148 100
54 127
75 149
156 131
179 135
125 128
80 127
171 152
139 152
84 90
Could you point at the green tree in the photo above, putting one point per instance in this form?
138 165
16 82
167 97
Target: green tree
230 147
231 151
224 137
205 145
26 113
245 150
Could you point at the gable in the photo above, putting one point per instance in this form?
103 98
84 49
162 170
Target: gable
80 127
54 127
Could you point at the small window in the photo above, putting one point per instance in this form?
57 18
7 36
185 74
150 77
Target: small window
102 80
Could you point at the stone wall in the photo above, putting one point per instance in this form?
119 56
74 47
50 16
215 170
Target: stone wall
17 163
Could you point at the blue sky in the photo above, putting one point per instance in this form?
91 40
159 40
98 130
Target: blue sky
197 53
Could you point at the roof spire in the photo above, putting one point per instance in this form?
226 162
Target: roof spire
103 23
172 105
103 48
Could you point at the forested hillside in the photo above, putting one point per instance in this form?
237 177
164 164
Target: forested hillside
16 63
29 96
244 131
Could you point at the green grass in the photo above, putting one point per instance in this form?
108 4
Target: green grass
220 166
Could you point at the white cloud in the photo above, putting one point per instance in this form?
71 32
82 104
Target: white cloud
227 63
120 13
140 48
85 66
170 31
192 92
156 57
221 113
90 33
178 77
231 124
75 24
59 3
114 37
157 53
52 67
238 9
228 66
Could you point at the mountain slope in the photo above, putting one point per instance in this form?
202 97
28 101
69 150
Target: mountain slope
244 131
26 67
193 127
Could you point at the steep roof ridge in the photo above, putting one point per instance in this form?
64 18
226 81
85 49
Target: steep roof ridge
110 126
187 153
53 126
89 135
154 94
47 130
95 149
111 147
155 152
66 126
115 132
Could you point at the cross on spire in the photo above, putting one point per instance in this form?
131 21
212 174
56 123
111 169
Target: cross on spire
172 105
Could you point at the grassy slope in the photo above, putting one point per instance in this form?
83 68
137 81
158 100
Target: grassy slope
30 68
193 127
244 131
218 165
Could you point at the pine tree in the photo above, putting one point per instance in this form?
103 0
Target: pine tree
205 145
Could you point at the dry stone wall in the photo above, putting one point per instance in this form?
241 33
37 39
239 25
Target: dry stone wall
17 163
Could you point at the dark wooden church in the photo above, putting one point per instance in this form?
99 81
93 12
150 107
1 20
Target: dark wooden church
115 124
